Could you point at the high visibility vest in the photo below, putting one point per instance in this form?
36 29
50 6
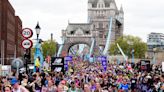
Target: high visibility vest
37 63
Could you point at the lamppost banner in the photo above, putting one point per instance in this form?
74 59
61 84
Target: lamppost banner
104 62
66 60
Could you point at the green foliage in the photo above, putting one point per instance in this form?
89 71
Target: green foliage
127 43
49 48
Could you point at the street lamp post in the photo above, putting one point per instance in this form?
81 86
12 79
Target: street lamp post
133 55
37 28
132 51
118 59
38 53
154 55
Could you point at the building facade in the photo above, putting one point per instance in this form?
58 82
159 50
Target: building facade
10 32
155 43
99 13
18 37
155 40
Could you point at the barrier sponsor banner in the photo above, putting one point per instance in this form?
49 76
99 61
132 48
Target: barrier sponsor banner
57 64
6 70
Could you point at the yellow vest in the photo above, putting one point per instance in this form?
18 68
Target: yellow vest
37 63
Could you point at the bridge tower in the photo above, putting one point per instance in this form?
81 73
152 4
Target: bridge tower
99 13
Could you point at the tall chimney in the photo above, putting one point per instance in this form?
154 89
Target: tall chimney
51 36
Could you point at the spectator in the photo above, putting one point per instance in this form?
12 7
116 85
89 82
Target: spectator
63 83
73 88
124 86
8 88
17 87
50 88
86 88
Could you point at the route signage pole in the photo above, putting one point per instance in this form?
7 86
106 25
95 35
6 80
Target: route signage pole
26 45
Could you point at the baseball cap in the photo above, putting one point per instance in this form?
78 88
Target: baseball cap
13 81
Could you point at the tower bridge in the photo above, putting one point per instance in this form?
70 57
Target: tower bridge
98 27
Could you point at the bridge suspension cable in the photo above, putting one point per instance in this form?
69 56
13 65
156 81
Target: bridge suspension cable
107 46
61 47
92 46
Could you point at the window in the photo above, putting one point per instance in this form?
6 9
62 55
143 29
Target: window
105 36
72 32
102 5
107 26
100 25
99 5
101 35
94 5
101 12
107 4
117 32
154 40
87 32
94 26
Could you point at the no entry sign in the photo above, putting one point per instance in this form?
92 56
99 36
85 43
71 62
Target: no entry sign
27 33
26 44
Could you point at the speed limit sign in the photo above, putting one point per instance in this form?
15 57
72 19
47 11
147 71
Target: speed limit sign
26 43
27 33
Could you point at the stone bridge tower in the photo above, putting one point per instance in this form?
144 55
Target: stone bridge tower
99 13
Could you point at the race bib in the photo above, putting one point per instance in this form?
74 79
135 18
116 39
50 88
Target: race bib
133 81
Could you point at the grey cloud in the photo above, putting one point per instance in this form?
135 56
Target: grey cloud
141 16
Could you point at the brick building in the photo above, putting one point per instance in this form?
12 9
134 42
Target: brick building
18 36
10 36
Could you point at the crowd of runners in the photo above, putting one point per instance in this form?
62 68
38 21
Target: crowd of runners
88 77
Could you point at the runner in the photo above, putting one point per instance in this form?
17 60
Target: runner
90 77
17 87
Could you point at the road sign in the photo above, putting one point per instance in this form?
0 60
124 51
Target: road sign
27 33
26 44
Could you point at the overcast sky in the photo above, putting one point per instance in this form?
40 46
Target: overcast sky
141 16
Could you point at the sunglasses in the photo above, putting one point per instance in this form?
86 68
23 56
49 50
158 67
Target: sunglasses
72 83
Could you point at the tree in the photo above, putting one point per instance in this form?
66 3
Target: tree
49 48
127 43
